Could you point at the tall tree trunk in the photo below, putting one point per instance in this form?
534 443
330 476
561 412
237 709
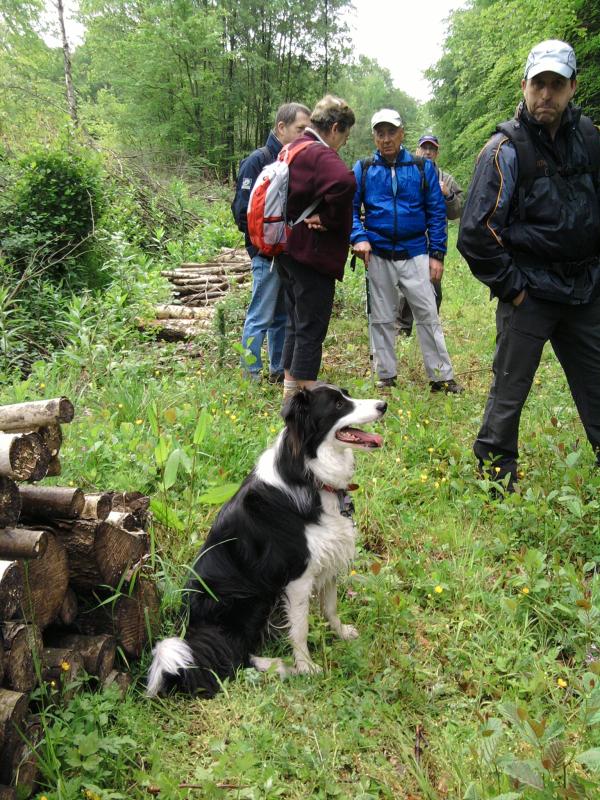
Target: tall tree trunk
71 99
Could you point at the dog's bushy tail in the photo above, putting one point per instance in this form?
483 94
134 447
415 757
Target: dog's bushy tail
197 664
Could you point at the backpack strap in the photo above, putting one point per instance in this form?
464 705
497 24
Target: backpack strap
591 138
418 161
288 154
526 159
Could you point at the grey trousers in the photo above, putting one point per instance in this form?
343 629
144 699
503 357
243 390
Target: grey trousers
411 277
522 331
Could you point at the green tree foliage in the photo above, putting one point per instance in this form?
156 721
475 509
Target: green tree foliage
204 78
476 83
367 87
51 204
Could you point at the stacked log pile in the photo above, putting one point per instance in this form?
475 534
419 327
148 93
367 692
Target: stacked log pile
74 583
196 289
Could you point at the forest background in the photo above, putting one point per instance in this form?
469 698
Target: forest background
479 617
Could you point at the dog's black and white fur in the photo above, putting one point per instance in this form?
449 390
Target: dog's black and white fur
282 536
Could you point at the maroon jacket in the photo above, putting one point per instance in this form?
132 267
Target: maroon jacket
319 172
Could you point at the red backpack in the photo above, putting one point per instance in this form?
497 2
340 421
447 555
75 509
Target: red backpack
268 226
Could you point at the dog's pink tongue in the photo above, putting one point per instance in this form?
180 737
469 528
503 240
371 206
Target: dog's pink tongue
360 437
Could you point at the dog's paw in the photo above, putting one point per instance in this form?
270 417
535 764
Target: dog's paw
348 632
307 668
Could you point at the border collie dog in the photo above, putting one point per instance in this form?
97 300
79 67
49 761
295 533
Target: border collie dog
286 533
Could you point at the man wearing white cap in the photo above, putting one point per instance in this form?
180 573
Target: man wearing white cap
530 230
402 240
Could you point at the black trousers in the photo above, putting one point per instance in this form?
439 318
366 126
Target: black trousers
309 302
404 319
522 331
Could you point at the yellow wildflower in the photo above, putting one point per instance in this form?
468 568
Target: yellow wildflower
65 666
525 590
562 683
438 589
139 421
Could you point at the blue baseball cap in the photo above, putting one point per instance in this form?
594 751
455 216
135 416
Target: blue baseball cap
429 137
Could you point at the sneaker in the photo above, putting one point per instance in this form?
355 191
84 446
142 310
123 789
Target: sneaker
275 377
384 383
449 386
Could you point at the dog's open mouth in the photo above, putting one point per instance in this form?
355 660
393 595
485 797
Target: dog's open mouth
358 438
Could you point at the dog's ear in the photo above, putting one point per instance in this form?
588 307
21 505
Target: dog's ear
298 420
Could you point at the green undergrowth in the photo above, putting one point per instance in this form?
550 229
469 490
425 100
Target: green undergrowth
475 674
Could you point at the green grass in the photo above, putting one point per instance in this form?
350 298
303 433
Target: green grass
475 672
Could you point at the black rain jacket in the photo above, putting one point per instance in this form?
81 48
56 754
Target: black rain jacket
554 252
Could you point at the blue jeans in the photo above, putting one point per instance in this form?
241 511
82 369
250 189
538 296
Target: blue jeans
266 316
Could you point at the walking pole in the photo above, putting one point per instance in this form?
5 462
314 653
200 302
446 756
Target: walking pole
368 309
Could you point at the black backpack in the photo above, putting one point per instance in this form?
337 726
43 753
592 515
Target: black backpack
529 170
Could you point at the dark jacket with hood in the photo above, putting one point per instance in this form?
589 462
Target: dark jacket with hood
250 169
551 247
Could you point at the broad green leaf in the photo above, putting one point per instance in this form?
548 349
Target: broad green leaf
161 451
524 773
201 427
165 515
171 468
591 758
219 494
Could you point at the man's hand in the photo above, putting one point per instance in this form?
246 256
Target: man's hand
363 250
314 223
519 298
436 269
444 188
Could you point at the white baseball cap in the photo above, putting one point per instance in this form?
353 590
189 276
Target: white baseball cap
551 56
387 115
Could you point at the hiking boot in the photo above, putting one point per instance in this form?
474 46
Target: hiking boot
449 387
275 377
386 383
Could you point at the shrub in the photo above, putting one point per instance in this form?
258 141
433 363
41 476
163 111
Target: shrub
50 208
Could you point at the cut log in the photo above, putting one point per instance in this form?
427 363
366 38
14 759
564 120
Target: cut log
10 502
132 618
20 764
134 503
23 645
97 652
21 455
13 710
122 680
51 436
68 610
99 552
54 467
49 502
182 312
18 543
96 506
61 666
36 414
12 588
175 330
123 519
46 584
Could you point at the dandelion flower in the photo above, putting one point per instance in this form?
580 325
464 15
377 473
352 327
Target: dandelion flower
42 385
430 449
139 421
353 572
525 590
65 666
438 589
562 683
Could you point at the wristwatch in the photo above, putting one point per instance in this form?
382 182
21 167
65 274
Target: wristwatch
437 254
